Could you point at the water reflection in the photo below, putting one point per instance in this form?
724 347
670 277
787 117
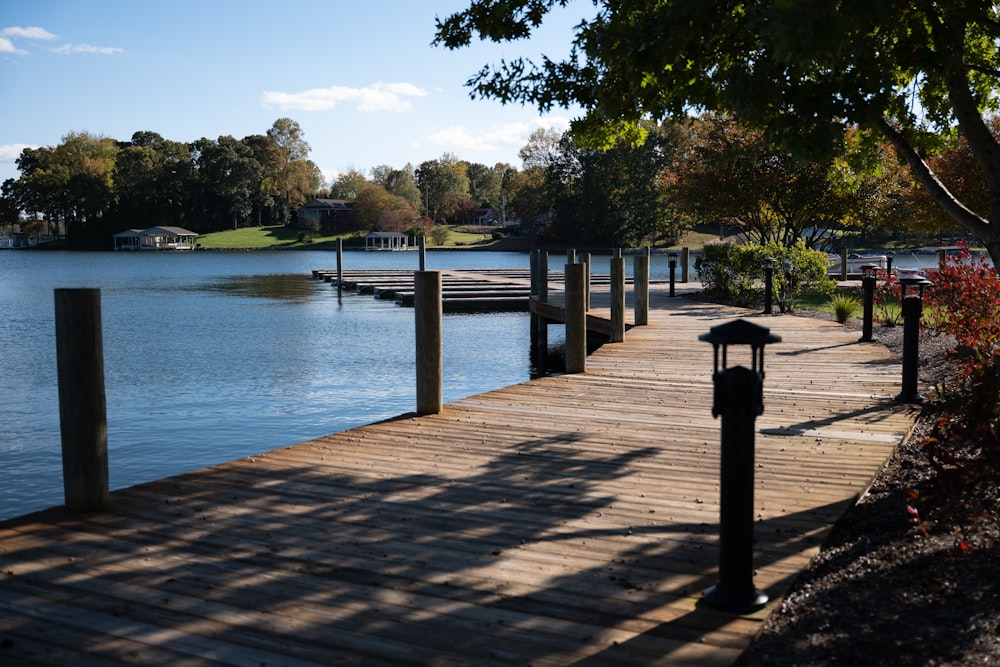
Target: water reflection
289 287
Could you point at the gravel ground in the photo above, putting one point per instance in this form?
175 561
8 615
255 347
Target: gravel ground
881 591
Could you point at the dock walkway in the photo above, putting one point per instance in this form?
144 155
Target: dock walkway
566 520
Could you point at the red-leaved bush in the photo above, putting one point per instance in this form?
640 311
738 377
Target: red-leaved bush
964 448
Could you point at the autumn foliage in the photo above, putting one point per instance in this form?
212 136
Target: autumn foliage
964 447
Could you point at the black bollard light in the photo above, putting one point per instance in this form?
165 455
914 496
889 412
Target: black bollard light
912 306
868 281
672 258
768 265
738 399
888 262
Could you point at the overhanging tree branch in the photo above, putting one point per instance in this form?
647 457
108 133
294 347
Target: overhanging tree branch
938 190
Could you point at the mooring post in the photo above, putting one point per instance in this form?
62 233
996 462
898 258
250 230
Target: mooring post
576 319
340 265
586 281
83 416
640 286
422 251
428 313
533 272
685 260
617 299
543 275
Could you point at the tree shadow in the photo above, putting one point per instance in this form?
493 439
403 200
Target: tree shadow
382 564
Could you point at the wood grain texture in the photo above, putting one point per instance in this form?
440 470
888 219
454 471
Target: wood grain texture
565 520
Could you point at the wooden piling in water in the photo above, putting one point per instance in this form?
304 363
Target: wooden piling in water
576 318
428 318
82 405
340 264
617 299
640 287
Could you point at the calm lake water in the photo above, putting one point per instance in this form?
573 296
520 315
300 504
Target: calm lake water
215 356
210 357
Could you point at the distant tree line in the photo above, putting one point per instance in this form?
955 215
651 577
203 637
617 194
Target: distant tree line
708 170
90 187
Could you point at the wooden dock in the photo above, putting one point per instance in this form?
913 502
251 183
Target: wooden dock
565 520
496 290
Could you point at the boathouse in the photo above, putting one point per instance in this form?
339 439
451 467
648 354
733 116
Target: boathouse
386 241
155 238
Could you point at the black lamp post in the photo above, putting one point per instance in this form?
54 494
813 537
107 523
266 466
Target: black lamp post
768 265
912 306
738 399
868 281
888 262
672 258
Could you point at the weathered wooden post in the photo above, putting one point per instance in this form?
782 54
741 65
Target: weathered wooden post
422 251
83 415
571 256
340 265
428 314
539 325
576 319
533 272
617 299
640 287
685 260
543 275
586 280
843 263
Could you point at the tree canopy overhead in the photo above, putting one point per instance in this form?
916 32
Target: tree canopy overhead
805 71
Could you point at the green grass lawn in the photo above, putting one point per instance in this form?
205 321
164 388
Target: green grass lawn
289 237
252 237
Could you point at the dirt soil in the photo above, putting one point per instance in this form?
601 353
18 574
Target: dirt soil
881 591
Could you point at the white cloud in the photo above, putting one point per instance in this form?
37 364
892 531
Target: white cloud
498 137
10 152
27 33
67 49
6 35
376 97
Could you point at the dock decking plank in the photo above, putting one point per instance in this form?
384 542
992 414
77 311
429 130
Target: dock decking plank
565 520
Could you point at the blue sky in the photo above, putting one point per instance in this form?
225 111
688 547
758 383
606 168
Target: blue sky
360 77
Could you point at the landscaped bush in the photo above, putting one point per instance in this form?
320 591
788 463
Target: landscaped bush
964 448
735 273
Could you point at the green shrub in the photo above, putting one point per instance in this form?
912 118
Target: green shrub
440 234
735 272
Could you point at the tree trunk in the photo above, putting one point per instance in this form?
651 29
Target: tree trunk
987 231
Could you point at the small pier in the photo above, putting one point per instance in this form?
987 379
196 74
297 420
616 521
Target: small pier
464 291
568 520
